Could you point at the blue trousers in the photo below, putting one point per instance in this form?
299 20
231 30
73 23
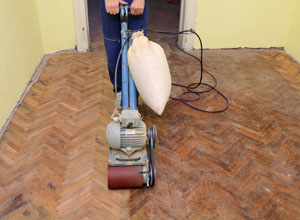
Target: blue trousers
111 26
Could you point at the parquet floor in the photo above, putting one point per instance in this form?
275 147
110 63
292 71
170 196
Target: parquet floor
241 164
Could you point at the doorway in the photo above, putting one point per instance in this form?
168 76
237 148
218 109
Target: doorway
171 15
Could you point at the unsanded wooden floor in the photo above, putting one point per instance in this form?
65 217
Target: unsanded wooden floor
241 164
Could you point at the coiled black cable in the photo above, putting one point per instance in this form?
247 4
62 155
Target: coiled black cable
191 88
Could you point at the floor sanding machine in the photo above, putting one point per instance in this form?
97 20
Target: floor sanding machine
131 145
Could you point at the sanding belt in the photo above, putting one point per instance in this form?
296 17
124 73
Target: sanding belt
125 177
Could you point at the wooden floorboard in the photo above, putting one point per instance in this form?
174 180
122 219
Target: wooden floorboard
241 164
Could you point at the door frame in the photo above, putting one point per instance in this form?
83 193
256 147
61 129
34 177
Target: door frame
188 17
187 21
81 25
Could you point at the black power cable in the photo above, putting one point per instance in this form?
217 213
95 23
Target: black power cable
191 88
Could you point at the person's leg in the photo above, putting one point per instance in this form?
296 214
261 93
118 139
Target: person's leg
111 30
112 51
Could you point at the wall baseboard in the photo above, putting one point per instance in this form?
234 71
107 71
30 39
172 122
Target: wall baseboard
267 49
33 80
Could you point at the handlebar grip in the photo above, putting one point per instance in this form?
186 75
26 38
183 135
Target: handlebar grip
124 12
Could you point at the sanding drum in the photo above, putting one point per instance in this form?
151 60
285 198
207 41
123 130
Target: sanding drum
125 177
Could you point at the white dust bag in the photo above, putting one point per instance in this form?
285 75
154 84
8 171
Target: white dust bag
150 71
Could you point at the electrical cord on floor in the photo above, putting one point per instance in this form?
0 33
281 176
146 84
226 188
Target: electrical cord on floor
191 88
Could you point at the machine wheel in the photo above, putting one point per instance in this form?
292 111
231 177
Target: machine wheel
152 167
152 133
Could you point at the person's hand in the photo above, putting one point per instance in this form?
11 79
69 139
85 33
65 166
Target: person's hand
113 6
137 7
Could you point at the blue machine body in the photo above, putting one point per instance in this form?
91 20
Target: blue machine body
129 92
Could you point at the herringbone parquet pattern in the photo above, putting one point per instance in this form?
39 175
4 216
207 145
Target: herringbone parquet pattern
242 164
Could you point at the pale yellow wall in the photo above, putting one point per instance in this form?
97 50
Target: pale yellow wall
29 29
244 23
21 49
293 40
56 19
